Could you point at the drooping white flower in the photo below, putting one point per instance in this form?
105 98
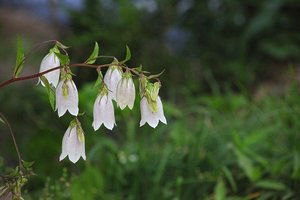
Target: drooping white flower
66 97
111 79
150 116
73 144
126 92
103 112
50 61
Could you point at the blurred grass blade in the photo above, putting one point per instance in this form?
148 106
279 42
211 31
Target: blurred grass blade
220 190
93 57
230 178
19 59
271 185
252 172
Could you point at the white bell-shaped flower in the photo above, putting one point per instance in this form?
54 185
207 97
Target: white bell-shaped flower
66 97
126 91
112 77
103 111
73 144
150 116
50 61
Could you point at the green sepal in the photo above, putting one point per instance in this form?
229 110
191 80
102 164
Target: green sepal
93 57
19 59
99 79
156 75
50 91
54 49
64 59
60 45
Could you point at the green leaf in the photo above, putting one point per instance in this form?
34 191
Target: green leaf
230 178
27 164
253 172
50 91
128 55
64 59
270 184
99 79
93 57
20 58
220 190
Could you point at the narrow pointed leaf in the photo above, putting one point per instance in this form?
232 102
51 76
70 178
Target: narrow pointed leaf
20 58
128 55
93 57
220 190
62 46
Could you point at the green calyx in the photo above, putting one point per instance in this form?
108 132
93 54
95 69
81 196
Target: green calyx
103 91
115 65
80 134
66 75
127 75
65 90
54 50
151 94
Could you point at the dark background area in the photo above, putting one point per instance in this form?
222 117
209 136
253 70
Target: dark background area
230 91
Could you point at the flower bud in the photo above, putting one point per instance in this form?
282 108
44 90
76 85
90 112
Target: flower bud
73 144
126 91
112 78
50 61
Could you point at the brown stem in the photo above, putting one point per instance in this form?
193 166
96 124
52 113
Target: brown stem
14 79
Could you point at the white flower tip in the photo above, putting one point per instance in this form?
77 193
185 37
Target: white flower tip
109 126
95 126
73 159
61 157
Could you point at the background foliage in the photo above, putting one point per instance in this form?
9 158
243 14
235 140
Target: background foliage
230 94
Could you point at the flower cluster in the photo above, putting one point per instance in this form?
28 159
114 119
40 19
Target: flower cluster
117 85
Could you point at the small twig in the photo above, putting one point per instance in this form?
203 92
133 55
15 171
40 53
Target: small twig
13 138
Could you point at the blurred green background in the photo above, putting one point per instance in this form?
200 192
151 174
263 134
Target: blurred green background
230 92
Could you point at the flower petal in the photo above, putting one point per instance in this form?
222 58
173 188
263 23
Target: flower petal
147 115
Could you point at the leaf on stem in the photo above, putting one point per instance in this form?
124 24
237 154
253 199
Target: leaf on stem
19 59
50 91
64 59
128 55
93 57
